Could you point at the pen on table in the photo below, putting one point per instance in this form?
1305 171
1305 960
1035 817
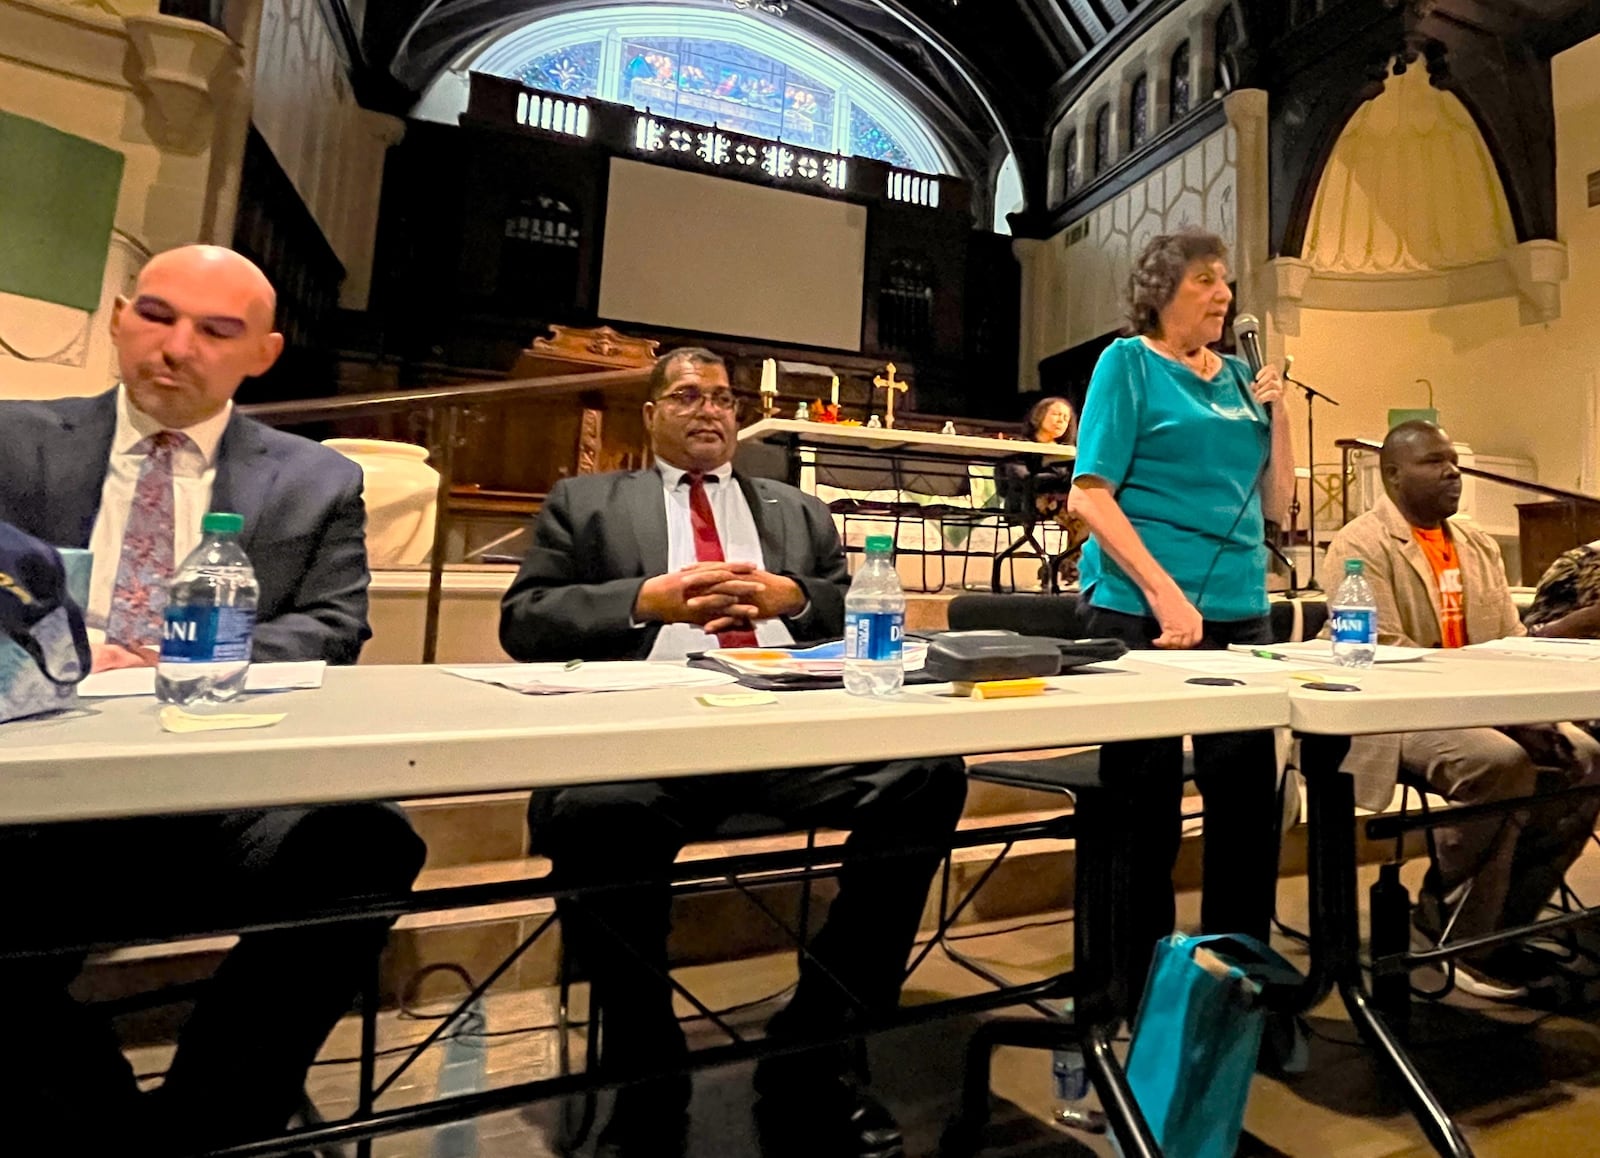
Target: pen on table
1262 653
572 665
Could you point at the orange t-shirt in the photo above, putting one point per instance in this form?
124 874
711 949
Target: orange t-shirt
1440 549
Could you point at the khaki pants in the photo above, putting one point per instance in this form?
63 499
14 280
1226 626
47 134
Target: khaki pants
1515 861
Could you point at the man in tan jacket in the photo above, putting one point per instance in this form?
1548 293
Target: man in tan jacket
1442 584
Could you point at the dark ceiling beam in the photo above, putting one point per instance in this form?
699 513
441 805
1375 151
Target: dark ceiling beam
1065 32
1070 87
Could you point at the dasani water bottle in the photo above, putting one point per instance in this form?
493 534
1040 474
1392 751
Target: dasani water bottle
211 614
1353 613
875 624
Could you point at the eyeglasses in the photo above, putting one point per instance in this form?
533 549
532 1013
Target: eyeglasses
687 399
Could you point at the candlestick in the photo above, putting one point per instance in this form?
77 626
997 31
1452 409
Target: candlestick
769 377
835 398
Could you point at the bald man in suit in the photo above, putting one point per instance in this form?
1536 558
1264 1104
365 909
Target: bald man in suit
129 474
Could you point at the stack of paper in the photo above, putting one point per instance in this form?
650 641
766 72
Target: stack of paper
1321 651
1542 647
263 677
823 659
549 679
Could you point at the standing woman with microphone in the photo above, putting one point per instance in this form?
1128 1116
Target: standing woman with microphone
1181 451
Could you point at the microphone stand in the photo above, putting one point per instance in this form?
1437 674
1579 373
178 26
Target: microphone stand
1312 394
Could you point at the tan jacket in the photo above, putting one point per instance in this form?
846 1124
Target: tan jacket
1408 611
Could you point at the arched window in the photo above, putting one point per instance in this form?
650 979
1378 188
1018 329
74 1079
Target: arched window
758 77
1139 111
1178 85
1009 197
1073 176
1102 140
1225 73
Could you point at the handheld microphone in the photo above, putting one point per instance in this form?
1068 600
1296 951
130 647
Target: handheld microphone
1247 333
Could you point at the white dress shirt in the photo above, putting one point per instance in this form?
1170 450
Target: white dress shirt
194 471
741 543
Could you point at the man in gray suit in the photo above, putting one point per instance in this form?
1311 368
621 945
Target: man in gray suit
659 564
130 474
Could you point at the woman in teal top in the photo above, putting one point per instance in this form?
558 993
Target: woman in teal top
1180 454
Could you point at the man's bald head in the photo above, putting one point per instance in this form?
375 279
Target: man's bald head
1420 474
199 323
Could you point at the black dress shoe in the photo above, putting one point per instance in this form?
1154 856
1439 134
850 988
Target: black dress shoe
648 1120
840 1121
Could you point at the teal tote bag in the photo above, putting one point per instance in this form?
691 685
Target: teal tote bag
1196 1038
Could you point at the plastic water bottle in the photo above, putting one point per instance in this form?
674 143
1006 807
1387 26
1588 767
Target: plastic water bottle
1070 1078
875 625
1353 612
211 614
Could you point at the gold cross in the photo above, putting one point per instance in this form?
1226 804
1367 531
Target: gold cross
891 386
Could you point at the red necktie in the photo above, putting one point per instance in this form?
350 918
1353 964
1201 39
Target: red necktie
708 547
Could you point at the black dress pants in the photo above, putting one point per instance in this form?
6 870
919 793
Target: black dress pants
243 1052
633 832
1237 773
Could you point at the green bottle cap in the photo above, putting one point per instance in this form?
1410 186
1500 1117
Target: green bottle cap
221 523
880 544
1354 566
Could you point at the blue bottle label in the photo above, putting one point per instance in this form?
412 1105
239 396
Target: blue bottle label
874 634
1355 625
201 634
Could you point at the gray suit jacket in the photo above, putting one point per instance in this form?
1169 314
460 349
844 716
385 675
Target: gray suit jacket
599 537
304 522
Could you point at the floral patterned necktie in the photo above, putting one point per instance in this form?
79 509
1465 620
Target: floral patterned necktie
139 599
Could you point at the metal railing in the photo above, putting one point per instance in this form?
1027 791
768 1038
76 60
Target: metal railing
443 408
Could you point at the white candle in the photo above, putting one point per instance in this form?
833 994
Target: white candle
835 390
769 377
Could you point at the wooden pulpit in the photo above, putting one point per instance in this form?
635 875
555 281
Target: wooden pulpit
519 449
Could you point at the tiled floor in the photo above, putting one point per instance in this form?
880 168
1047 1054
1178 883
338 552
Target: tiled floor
1521 1082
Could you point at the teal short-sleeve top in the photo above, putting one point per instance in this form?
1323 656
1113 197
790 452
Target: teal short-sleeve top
1184 457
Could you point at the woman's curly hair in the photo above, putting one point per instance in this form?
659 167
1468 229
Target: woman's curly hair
1159 270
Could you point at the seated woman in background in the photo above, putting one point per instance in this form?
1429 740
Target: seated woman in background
1028 481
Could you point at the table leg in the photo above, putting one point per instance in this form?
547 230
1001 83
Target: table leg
1335 935
1101 1000
792 446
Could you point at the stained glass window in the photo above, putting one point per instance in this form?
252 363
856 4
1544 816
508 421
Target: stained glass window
1102 140
1225 74
868 139
711 67
1178 96
1071 150
574 70
1139 112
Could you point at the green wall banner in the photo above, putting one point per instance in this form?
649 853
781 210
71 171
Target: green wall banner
58 200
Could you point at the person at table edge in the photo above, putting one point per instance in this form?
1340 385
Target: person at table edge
1178 461
129 474
656 564
1440 582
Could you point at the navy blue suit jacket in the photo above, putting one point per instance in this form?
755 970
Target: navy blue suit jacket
304 521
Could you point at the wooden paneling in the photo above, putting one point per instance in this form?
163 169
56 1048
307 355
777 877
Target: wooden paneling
1546 530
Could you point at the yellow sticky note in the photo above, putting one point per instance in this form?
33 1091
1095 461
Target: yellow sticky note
175 719
1000 689
736 699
